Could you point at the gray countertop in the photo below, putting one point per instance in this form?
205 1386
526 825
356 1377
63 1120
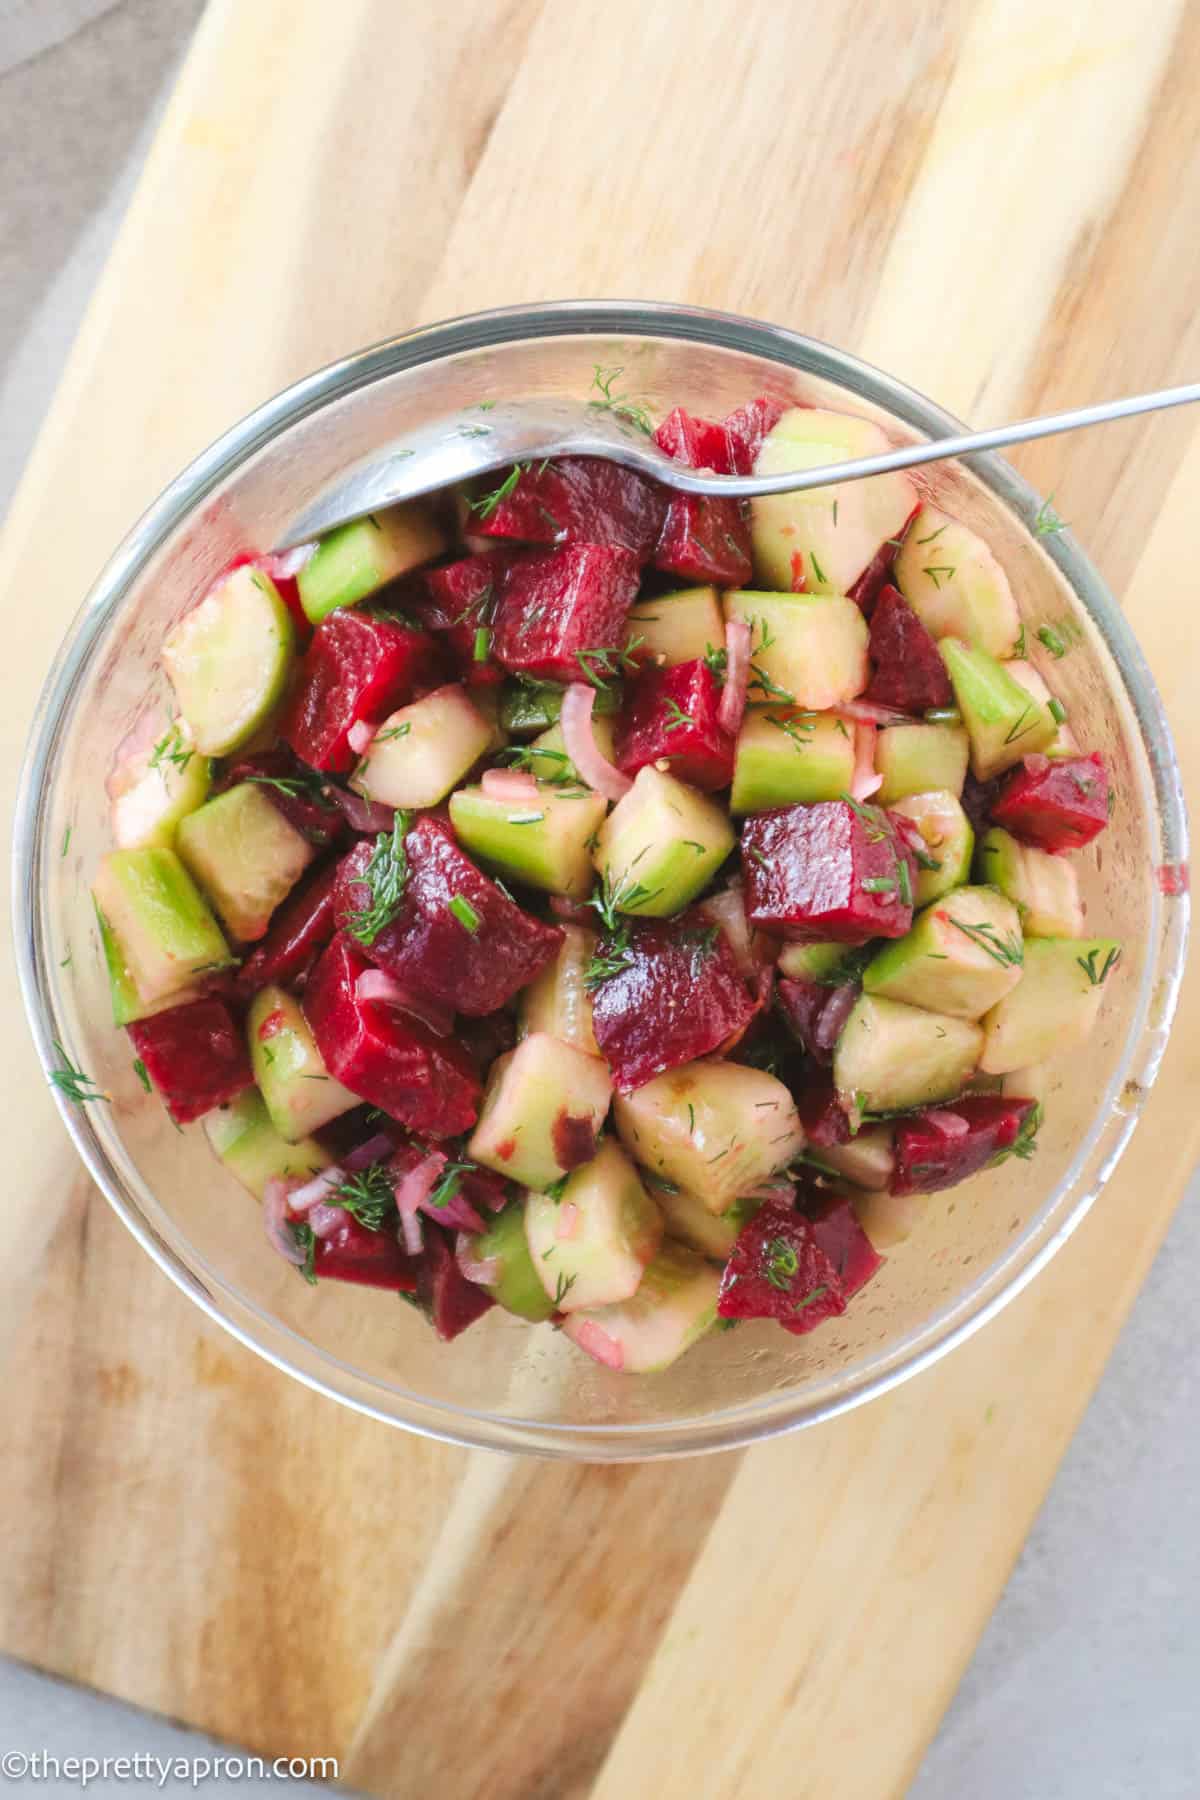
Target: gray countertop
1086 1685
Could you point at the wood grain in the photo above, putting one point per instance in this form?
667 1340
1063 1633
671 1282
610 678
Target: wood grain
994 202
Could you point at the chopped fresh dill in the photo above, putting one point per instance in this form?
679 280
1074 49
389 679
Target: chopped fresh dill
1088 965
172 749
486 504
619 405
465 913
936 571
385 877
392 732
601 666
1008 951
1047 521
817 570
142 1073
71 1081
1047 635
369 1196
676 717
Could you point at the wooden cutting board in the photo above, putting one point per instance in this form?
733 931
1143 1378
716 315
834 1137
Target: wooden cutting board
996 200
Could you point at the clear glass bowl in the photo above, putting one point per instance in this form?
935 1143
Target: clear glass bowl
505 1385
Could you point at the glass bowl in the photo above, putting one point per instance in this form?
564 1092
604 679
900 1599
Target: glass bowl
504 1385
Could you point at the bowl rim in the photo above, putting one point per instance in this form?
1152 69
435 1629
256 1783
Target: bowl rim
777 1411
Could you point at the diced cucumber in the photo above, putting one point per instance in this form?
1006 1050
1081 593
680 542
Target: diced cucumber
157 783
253 1151
920 759
558 1002
547 843
596 1254
298 1091
517 1287
1044 888
422 751
955 585
784 757
661 845
245 855
228 661
867 1159
358 558
944 855
1003 720
1054 1006
891 1056
806 650
527 707
127 1006
543 1103
690 1222
963 954
675 1304
677 628
1064 742
548 758
813 962
163 929
716 1129
1029 1083
888 1219
827 536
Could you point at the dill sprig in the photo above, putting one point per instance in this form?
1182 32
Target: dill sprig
1008 951
71 1081
619 405
1047 635
485 504
450 1182
1088 964
1025 1142
171 748
308 786
602 666
937 572
386 876
369 1196
1047 521
676 717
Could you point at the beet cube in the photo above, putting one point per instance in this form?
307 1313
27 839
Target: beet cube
836 870
451 1301
195 1055
1060 805
866 588
777 1270
671 715
292 790
909 672
357 667
464 592
578 500
700 443
560 602
932 1152
370 1258
301 927
838 1233
745 430
705 538
679 996
386 1056
821 1113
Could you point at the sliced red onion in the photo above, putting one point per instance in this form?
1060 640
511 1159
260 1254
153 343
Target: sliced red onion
376 987
598 1344
951 1125
866 712
865 781
483 1270
376 1149
325 1220
284 565
728 910
834 1013
568 1221
314 1192
573 912
362 815
737 676
782 1191
580 740
414 1187
512 787
275 1222
457 1214
764 981
411 1234
360 736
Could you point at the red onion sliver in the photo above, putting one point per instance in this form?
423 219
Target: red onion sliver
483 1270
865 781
284 565
568 1221
511 786
376 1149
834 1013
950 1124
866 712
457 1214
416 1184
360 736
728 910
318 1189
275 1224
598 1344
325 1220
737 676
362 815
375 987
411 1234
593 766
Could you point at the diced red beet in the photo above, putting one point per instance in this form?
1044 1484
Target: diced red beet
705 538
300 928
838 1233
489 1037
386 1056
977 801
777 1270
195 1055
370 1258
929 1157
1057 805
815 1013
835 870
866 589
290 788
908 670
451 1301
464 592
746 428
579 500
671 714
700 443
431 952
560 602
679 997
821 1113
357 668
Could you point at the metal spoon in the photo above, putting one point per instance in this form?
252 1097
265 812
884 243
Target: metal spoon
481 439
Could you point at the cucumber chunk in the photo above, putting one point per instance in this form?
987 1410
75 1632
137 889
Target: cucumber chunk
867 1159
813 962
677 628
558 1002
674 1306
517 1287
245 855
963 954
784 757
422 751
596 1254
661 845
541 1111
715 1129
547 843
127 1005
689 1221
807 650
527 707
920 759
955 585
1044 888
228 661
159 921
155 785
1004 722
357 559
1064 742
548 758
298 1091
891 1056
947 840
253 1151
1054 1006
